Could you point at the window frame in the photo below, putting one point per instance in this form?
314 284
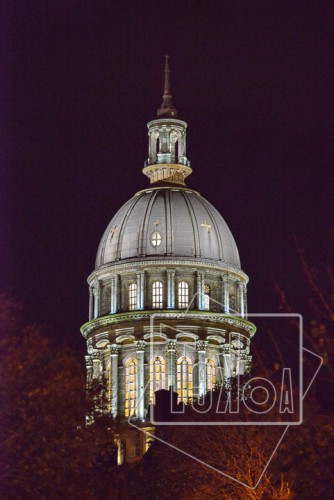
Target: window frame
132 296
182 295
157 294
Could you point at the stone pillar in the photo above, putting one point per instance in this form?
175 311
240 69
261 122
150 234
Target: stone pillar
89 369
200 290
113 294
96 299
91 303
140 350
245 299
227 360
113 350
96 366
248 363
241 363
201 352
140 290
241 299
171 365
170 288
226 295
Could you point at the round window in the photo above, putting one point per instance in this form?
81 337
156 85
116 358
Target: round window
156 239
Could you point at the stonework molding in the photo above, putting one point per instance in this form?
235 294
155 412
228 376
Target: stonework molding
233 320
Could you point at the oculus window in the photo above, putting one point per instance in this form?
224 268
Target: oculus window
156 239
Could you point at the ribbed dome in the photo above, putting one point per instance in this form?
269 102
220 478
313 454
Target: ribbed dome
167 222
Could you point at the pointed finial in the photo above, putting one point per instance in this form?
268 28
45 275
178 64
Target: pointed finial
167 109
166 83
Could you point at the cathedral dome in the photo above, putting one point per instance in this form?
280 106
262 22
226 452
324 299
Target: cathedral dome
168 221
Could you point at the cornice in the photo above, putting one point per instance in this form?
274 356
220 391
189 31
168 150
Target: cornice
114 319
177 262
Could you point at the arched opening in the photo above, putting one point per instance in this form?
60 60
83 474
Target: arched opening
176 151
184 383
157 146
157 376
130 398
211 375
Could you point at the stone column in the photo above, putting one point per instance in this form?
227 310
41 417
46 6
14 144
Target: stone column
140 350
113 294
96 366
200 290
201 352
248 363
227 363
226 295
96 299
171 365
245 299
91 303
113 350
242 360
170 288
89 369
140 290
241 299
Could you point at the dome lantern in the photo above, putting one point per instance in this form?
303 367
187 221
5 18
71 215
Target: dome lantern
167 159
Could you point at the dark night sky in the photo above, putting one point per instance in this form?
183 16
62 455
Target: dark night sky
80 80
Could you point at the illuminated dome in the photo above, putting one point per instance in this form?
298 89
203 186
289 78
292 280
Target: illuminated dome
168 221
167 297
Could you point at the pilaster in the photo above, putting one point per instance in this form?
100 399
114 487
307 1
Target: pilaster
201 352
170 288
140 351
114 351
171 364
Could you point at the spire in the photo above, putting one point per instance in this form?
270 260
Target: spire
167 109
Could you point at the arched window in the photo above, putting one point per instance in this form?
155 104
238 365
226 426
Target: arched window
176 151
157 295
132 296
130 400
183 295
211 375
207 294
158 145
157 375
184 381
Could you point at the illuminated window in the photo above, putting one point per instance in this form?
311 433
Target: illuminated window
183 295
211 375
157 295
207 293
130 402
132 296
156 239
157 375
184 381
